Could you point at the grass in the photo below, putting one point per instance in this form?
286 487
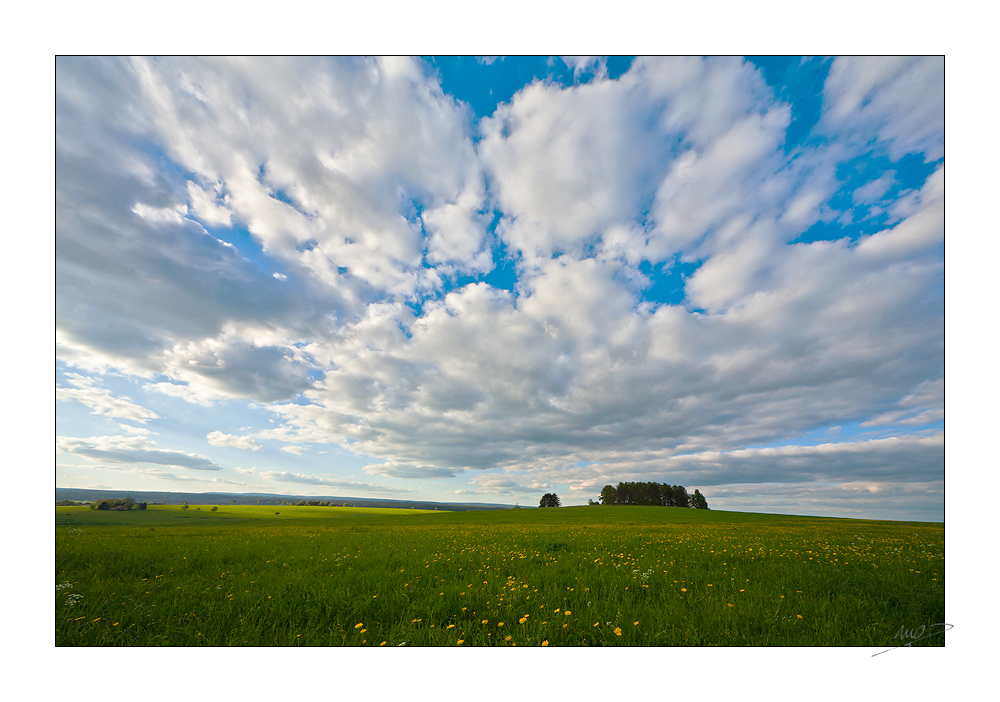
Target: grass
632 576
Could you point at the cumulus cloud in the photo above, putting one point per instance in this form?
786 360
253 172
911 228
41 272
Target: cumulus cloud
297 450
897 100
217 438
132 449
101 401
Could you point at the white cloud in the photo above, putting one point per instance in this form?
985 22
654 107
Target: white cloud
898 100
158 215
872 192
286 477
217 438
132 449
209 208
587 64
394 469
297 450
101 401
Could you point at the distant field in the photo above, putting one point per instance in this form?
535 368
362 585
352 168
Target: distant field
633 576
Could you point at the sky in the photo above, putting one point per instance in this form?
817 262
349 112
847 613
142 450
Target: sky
481 279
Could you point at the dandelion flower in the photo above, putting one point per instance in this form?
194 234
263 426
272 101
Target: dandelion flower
486 621
618 631
460 642
597 623
684 589
545 643
522 620
507 638
358 626
500 624
450 626
635 623
799 616
382 644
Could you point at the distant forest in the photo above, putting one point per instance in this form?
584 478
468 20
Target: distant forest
652 494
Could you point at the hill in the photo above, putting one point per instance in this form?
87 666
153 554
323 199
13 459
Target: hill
214 498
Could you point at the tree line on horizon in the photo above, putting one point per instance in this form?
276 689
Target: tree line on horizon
119 504
629 493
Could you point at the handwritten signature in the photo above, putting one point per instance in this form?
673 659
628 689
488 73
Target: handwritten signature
911 636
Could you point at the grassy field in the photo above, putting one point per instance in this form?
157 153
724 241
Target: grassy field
573 576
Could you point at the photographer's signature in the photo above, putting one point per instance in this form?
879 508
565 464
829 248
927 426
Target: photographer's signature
911 636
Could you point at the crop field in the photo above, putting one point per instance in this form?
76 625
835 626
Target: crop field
572 576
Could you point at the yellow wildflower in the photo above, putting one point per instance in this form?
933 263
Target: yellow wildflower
618 631
545 643
359 625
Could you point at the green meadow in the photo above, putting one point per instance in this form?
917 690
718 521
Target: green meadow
570 576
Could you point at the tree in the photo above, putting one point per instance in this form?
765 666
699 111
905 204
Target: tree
215 508
609 495
681 497
698 500
549 499
185 505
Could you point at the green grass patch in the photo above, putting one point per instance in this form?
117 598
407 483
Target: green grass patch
594 576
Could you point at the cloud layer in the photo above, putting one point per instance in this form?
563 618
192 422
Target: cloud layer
316 237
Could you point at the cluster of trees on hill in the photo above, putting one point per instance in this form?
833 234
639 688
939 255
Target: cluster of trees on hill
119 504
550 499
652 494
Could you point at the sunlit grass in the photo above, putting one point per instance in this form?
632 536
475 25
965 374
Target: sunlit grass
570 576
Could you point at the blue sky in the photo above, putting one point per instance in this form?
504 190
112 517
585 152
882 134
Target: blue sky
484 279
